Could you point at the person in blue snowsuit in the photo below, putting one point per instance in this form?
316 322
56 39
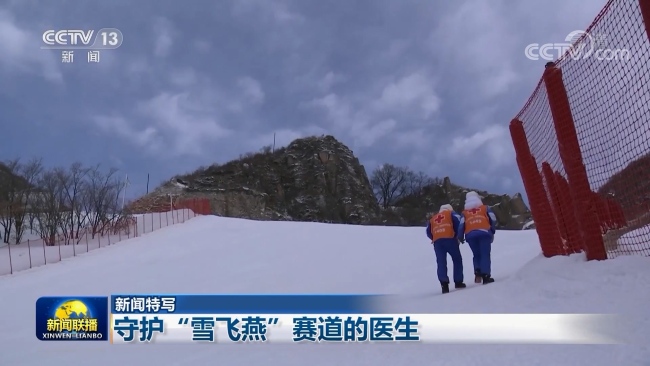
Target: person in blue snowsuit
442 230
478 226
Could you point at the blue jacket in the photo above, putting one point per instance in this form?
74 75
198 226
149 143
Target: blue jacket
478 233
455 220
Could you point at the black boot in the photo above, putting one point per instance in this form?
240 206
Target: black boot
477 276
445 287
487 279
460 285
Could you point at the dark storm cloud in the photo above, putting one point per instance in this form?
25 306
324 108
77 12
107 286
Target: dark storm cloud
432 85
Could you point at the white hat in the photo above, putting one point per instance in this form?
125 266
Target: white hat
472 194
472 200
446 208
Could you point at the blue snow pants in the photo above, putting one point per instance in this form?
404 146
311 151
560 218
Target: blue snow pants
481 246
443 247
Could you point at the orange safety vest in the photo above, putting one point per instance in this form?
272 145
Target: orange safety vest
442 226
476 219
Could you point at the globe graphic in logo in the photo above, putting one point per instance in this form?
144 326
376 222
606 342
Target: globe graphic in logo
72 309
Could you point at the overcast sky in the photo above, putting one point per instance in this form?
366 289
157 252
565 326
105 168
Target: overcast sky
428 84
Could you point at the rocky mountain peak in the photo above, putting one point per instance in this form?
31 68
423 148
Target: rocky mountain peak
316 179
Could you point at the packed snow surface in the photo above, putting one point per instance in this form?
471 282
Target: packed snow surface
221 255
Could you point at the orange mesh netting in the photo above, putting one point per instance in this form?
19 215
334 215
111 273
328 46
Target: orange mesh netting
583 140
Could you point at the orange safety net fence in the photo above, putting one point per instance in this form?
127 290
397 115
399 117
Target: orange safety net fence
583 140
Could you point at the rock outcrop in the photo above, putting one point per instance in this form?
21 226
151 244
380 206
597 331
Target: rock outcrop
315 179
312 179
512 212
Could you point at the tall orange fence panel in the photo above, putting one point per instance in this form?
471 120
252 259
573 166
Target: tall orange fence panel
583 140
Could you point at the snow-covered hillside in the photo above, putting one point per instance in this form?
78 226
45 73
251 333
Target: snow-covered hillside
220 255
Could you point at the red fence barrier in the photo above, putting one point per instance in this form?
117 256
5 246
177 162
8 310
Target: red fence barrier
583 140
161 204
35 252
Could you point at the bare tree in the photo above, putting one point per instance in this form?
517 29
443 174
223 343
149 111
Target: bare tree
114 212
73 184
63 180
9 181
57 204
389 183
30 172
48 207
17 182
417 182
248 155
100 198
266 149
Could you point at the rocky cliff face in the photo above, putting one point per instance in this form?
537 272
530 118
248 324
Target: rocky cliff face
512 213
312 179
315 179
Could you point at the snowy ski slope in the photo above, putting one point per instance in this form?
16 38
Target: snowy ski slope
220 255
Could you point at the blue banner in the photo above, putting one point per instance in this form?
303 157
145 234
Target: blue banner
245 304
65 318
